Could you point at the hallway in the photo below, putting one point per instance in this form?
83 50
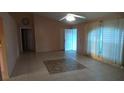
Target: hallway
31 66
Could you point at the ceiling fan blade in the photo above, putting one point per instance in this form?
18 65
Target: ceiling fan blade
78 16
62 18
72 15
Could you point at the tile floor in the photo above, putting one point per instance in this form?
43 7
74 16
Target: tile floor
31 67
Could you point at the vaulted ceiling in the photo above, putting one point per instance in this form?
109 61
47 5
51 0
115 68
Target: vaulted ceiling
88 15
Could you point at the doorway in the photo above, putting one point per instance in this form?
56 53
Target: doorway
71 39
27 40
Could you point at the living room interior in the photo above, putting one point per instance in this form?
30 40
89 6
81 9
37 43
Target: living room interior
62 46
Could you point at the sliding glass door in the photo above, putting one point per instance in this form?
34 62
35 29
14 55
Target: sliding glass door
106 41
71 39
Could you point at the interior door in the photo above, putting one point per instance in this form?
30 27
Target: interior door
27 40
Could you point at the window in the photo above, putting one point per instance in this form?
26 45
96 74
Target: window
107 41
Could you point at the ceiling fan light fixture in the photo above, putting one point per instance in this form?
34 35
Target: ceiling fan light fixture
70 18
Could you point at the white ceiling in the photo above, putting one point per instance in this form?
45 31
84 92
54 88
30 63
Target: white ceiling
88 15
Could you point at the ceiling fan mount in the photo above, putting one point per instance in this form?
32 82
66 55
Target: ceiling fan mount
71 17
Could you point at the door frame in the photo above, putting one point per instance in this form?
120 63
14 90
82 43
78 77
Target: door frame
3 63
20 38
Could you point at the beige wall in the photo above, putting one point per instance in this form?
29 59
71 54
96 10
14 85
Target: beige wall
81 39
49 34
10 33
18 18
20 15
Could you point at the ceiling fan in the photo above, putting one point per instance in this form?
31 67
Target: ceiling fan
71 17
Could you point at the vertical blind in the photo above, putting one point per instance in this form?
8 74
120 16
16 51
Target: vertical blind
71 39
106 40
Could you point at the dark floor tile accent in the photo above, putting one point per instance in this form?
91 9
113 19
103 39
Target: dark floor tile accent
62 65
